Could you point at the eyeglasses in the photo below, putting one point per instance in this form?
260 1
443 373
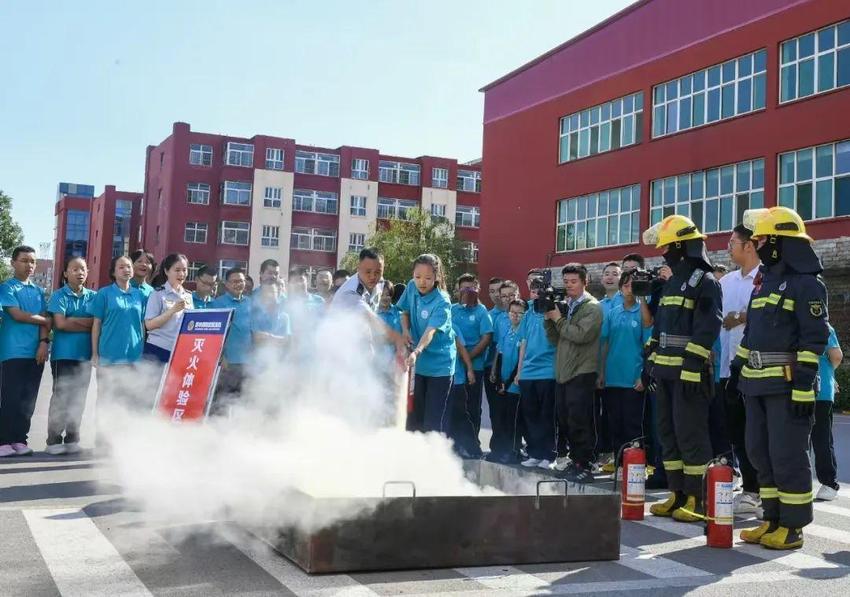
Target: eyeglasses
735 242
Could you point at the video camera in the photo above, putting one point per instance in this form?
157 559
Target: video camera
548 297
645 282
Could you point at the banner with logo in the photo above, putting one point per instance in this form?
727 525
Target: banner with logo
187 386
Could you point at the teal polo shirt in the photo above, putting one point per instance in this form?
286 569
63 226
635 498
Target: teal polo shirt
202 303
607 303
431 310
237 346
121 314
473 322
622 330
269 319
145 289
509 349
71 346
539 361
460 367
20 340
495 313
826 370
391 317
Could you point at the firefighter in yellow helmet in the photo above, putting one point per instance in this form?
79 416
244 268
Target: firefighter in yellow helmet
776 367
687 323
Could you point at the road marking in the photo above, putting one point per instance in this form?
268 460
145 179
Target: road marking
827 533
81 560
832 509
506 578
649 563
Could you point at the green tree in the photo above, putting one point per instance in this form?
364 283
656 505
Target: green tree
402 241
11 235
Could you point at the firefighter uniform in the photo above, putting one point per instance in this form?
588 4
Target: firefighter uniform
687 323
777 365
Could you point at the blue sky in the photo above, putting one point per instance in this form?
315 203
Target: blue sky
87 85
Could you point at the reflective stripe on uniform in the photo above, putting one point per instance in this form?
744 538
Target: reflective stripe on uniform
788 304
803 395
661 359
651 358
677 301
807 356
650 341
772 299
696 469
767 493
697 350
673 465
762 373
742 352
693 376
795 499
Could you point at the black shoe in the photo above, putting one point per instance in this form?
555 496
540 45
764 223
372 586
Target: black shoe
579 474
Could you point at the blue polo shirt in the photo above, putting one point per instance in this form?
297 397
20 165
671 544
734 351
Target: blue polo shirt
71 346
391 317
270 319
539 362
473 322
144 288
237 346
495 313
826 370
431 310
121 314
20 340
622 329
201 303
460 366
509 349
607 303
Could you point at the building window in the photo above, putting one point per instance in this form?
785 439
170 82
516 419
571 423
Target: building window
313 239
395 209
198 193
716 93
270 237
358 205
76 233
200 155
235 233
226 265
470 252
274 159
121 228
319 202
468 216
236 193
311 162
608 126
240 154
603 219
360 169
398 173
469 181
272 197
815 182
356 242
438 210
815 62
192 273
440 178
715 199
195 232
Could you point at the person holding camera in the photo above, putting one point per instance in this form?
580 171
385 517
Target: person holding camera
687 322
574 327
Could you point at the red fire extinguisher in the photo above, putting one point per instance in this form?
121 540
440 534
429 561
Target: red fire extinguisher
719 517
633 490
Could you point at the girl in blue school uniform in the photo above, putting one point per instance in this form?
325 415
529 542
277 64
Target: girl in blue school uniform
70 359
143 268
426 323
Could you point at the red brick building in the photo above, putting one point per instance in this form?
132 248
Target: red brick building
115 221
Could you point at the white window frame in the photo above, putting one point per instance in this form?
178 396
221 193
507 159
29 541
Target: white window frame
272 197
313 239
239 154
788 191
198 193
468 216
614 124
818 54
684 90
395 209
192 270
440 178
360 169
270 236
318 163
318 202
356 242
225 265
200 154
195 233
274 158
468 181
358 205
399 173
240 188
438 210
573 214
470 251
235 229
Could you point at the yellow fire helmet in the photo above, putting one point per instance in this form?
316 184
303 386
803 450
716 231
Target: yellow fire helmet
672 229
776 221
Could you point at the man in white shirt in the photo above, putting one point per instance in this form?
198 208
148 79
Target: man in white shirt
737 288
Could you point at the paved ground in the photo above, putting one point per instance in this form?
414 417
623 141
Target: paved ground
66 531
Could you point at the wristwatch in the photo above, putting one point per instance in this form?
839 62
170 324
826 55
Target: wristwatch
737 316
45 340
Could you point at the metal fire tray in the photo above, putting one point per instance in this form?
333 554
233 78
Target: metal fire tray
540 518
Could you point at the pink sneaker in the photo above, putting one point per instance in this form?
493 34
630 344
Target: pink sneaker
22 449
7 450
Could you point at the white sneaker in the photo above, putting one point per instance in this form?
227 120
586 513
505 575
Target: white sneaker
746 503
72 448
7 450
826 493
55 449
561 463
737 483
544 464
595 468
531 462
